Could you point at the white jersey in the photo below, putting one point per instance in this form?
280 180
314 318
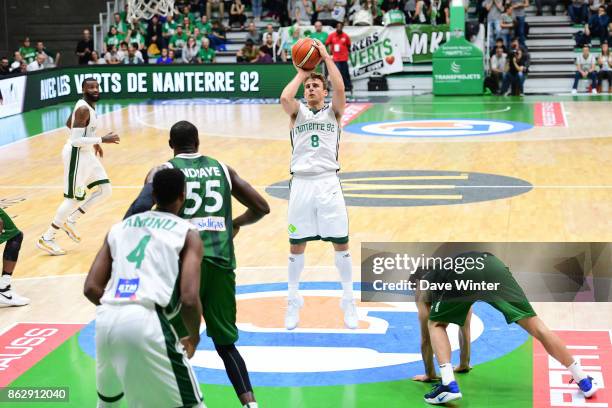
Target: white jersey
90 130
315 139
146 249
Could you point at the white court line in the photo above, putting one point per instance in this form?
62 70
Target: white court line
392 109
56 129
565 122
601 187
238 270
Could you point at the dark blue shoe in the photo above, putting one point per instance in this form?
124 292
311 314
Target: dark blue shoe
441 394
587 386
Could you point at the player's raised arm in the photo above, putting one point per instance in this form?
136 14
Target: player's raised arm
257 206
191 308
335 77
287 99
98 275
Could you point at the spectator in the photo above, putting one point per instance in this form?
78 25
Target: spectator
154 48
186 13
515 45
123 51
518 9
207 55
123 14
217 36
53 58
263 57
84 48
585 68
237 15
120 24
204 25
295 37
340 45
363 15
197 34
410 11
135 37
318 33
253 34
517 69
605 66
256 6
420 13
394 16
324 9
218 4
248 53
578 11
187 27
95 59
133 56
268 48
168 29
540 3
338 11
178 41
17 61
5 68
270 32
598 26
440 13
113 38
497 69
190 51
27 52
38 64
494 10
154 29
506 24
164 58
594 6
112 56
301 11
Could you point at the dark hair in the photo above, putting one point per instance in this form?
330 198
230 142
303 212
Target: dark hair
86 80
184 134
168 185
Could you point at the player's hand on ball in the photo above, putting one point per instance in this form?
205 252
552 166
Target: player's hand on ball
322 49
110 138
98 150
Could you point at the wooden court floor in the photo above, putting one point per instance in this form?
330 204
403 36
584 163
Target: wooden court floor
570 169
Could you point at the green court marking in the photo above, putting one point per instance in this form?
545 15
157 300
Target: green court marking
502 383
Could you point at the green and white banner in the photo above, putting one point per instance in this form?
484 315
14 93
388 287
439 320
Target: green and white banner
160 81
373 49
422 40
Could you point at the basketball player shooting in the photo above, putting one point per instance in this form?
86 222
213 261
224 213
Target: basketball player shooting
82 169
316 205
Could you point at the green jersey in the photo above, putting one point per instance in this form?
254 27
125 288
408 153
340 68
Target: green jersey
205 28
208 205
28 54
178 41
322 36
111 40
207 55
169 28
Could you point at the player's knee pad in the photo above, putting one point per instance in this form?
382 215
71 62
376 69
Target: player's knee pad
13 245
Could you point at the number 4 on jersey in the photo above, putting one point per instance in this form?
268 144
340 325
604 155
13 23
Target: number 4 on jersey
138 254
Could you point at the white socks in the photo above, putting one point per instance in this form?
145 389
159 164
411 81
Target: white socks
296 265
345 269
576 369
61 215
447 373
5 280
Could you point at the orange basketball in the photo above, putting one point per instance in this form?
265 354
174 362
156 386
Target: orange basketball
305 55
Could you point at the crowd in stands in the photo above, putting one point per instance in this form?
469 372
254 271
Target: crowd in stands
507 32
28 58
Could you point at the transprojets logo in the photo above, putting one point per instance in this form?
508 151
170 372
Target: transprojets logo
456 68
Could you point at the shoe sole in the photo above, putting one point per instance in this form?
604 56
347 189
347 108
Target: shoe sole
590 392
71 234
48 249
